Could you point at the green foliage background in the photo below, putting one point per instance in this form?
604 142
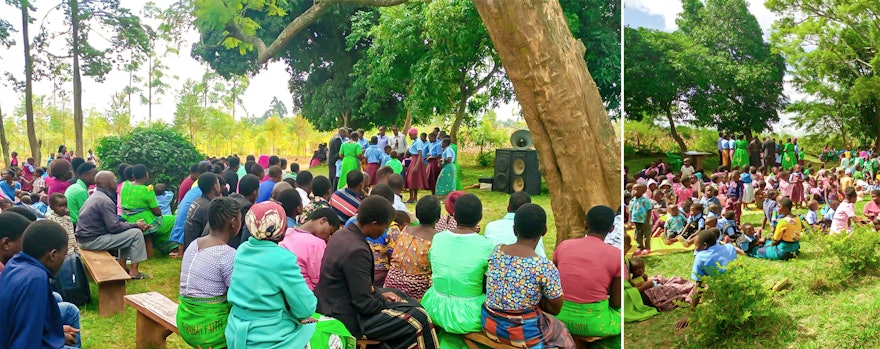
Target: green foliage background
167 155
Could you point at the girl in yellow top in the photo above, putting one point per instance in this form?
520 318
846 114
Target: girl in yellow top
784 244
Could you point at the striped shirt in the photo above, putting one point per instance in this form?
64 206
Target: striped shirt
345 202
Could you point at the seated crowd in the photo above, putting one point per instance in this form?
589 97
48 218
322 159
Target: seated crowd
271 260
692 207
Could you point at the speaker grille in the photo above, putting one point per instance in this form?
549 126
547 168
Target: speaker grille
500 181
518 184
519 166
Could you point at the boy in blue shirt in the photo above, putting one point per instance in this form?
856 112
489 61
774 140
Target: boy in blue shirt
640 215
164 197
710 255
31 317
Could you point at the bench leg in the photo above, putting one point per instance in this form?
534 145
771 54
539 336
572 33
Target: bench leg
148 243
110 297
150 334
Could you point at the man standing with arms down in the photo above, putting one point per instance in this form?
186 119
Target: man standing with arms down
397 141
334 146
769 148
382 138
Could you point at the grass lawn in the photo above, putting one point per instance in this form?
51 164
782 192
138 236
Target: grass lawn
118 331
844 318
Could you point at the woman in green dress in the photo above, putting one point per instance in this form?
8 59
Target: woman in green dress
449 174
459 260
350 153
789 158
741 154
138 202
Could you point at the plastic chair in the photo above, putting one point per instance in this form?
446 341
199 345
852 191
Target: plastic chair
675 161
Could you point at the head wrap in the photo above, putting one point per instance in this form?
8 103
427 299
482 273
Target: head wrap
264 161
266 221
413 131
451 199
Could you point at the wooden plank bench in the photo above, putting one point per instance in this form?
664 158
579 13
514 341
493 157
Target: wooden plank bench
156 318
110 277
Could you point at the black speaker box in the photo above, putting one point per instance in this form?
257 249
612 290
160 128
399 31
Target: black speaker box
516 170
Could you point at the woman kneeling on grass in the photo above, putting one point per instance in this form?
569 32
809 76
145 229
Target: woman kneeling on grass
205 274
522 288
784 244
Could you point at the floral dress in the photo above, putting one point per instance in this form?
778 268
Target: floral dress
514 287
410 269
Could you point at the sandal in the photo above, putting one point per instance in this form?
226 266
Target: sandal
139 276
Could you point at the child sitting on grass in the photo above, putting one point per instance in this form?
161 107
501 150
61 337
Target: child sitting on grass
675 222
728 227
710 198
845 214
770 209
749 241
812 216
164 197
710 255
638 278
785 242
695 223
39 203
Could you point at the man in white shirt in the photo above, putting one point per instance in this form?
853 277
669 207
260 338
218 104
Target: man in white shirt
395 181
382 138
397 141
501 231
304 186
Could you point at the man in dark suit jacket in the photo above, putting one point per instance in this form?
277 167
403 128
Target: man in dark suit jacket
769 148
335 145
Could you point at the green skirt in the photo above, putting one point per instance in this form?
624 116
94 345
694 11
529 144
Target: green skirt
331 334
634 309
202 321
776 252
590 319
447 181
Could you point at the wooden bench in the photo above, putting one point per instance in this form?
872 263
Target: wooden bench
110 277
156 319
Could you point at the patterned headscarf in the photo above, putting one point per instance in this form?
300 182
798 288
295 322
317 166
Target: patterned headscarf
451 199
413 131
266 221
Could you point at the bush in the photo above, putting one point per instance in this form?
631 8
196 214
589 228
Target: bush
167 155
732 303
857 253
486 159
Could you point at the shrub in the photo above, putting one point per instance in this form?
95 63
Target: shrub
486 159
163 150
857 253
732 303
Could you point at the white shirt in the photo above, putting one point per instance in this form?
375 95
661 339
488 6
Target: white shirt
399 205
687 170
397 143
304 196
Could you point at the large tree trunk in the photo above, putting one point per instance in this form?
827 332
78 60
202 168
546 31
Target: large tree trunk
407 123
77 80
3 143
674 133
459 116
561 105
28 82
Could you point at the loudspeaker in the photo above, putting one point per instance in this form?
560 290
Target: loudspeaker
516 170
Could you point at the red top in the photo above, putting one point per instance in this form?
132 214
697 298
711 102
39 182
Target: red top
586 267
185 186
56 186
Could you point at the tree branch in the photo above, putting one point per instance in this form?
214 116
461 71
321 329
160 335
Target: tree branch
483 82
266 53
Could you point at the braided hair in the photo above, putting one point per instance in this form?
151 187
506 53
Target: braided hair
221 210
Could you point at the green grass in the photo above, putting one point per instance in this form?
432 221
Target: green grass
841 318
118 331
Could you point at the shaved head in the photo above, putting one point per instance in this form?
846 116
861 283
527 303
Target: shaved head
105 179
279 187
